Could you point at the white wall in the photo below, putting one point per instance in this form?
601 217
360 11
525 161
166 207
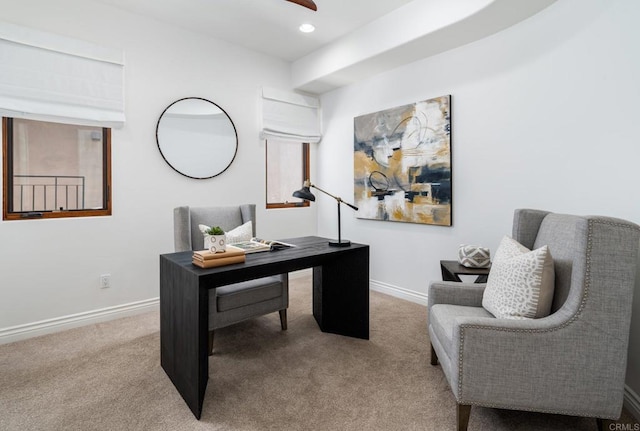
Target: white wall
544 115
50 268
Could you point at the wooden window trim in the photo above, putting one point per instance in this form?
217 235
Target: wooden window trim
306 170
7 192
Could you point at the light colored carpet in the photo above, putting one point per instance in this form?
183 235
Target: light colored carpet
108 377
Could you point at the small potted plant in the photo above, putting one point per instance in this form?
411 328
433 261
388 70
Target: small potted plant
215 239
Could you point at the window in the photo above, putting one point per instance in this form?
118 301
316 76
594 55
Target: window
54 170
287 168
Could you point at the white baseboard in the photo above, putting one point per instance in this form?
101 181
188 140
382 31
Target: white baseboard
632 402
378 286
398 292
35 329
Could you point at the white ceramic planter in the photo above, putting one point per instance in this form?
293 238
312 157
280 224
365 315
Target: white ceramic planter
215 243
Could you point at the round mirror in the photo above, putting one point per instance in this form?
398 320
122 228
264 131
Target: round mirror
196 138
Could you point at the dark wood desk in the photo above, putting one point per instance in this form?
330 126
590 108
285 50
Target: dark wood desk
340 301
451 269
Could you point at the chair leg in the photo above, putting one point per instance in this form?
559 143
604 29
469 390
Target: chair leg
462 417
283 319
605 424
211 342
434 356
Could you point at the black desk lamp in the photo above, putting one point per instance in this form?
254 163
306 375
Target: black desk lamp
305 193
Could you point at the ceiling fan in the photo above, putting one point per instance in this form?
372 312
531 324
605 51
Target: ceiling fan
305 3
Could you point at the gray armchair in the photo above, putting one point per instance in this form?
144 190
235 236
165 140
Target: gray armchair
571 362
235 302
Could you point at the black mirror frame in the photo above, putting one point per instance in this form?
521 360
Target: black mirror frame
235 131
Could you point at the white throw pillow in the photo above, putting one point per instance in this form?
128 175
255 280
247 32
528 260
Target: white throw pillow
241 233
521 282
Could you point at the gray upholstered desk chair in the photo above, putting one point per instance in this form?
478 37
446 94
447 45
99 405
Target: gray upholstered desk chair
571 362
235 302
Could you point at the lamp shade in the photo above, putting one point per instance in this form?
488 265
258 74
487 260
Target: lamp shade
304 193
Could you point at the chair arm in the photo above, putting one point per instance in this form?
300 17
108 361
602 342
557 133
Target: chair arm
545 324
455 293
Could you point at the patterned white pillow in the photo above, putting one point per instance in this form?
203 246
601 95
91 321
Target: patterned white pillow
241 233
521 282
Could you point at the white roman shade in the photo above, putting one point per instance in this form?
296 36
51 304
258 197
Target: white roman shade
49 77
290 116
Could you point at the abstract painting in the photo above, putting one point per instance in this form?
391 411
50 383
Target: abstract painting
402 163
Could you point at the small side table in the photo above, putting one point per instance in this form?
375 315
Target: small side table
451 269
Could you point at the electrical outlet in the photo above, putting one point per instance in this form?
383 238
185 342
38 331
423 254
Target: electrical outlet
105 281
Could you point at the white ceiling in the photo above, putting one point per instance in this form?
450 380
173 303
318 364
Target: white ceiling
354 39
268 26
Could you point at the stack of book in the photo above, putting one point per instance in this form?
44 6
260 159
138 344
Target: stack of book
207 259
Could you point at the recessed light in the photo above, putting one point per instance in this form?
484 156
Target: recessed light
306 28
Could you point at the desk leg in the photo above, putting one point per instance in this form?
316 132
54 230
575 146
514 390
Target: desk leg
341 294
184 311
